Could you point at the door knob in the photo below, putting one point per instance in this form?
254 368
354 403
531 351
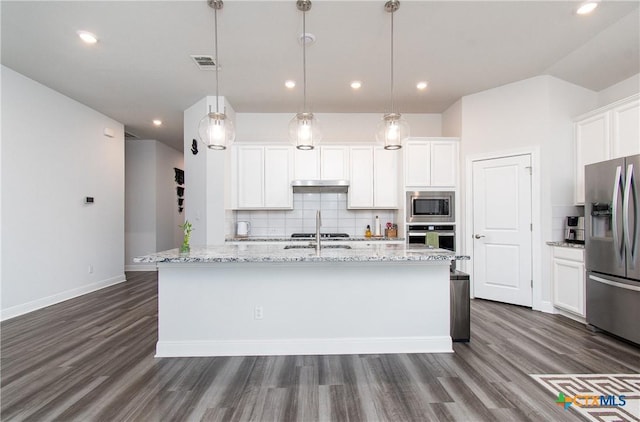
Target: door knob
478 236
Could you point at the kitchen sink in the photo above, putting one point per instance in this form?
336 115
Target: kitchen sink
314 246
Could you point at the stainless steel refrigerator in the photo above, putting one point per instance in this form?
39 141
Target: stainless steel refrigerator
612 240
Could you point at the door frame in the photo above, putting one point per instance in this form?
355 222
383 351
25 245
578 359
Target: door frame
536 217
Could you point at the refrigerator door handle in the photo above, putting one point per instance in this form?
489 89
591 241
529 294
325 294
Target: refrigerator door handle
614 283
629 189
617 185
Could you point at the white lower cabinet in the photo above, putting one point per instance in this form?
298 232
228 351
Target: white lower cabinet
569 280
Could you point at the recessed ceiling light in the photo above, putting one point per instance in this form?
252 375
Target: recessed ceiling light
356 84
290 84
587 7
421 86
157 122
87 37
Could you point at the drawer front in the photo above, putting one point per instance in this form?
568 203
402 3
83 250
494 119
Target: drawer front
571 254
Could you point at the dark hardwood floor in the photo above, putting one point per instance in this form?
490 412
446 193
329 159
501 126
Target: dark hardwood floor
91 359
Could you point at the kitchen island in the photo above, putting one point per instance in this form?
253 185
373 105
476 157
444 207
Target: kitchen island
270 300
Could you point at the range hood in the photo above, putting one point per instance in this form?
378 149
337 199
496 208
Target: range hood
320 186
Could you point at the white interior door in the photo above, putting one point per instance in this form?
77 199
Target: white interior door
502 229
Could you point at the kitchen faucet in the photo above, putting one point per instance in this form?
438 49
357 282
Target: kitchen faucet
318 224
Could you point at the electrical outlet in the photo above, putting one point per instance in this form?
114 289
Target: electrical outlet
90 269
258 312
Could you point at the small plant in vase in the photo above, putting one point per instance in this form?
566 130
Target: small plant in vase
187 227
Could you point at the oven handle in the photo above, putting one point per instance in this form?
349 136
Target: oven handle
614 283
424 233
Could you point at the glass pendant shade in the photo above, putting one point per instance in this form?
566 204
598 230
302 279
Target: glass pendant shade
304 131
216 131
392 131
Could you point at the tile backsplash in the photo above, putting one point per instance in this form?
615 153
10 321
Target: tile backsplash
559 216
336 218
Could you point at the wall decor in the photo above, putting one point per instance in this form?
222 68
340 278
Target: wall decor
194 147
179 178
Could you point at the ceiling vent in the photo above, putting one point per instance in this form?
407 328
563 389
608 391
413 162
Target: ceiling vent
204 62
130 136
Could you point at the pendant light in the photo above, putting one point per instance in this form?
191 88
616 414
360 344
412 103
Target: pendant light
215 130
304 128
392 129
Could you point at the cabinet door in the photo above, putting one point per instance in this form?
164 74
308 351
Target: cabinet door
444 163
592 146
417 163
334 163
385 178
278 171
569 286
361 178
250 177
306 164
626 129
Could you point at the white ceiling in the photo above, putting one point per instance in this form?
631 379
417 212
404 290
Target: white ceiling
141 68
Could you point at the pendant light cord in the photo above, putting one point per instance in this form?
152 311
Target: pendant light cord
215 25
304 61
392 13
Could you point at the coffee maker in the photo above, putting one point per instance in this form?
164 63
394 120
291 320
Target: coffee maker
574 230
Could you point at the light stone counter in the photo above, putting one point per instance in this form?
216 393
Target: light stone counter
564 244
278 253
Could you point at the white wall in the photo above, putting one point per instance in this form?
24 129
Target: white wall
151 208
55 154
622 89
452 120
534 114
140 215
336 127
169 235
207 178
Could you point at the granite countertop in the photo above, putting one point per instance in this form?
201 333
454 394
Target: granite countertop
564 244
277 253
303 239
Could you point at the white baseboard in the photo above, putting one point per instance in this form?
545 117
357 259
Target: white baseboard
24 308
141 267
333 346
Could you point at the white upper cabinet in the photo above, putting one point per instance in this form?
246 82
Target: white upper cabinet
322 163
264 175
307 164
592 146
603 134
334 162
431 162
361 178
250 166
625 125
373 180
444 163
278 170
417 163
386 178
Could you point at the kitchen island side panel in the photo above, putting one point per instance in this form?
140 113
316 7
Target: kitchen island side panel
306 307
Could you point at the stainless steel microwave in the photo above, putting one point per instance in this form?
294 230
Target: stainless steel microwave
431 207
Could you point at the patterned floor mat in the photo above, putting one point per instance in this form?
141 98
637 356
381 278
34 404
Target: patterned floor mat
598 397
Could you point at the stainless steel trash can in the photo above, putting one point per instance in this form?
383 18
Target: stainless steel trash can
460 306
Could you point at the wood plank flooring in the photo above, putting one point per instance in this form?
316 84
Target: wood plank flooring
91 359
